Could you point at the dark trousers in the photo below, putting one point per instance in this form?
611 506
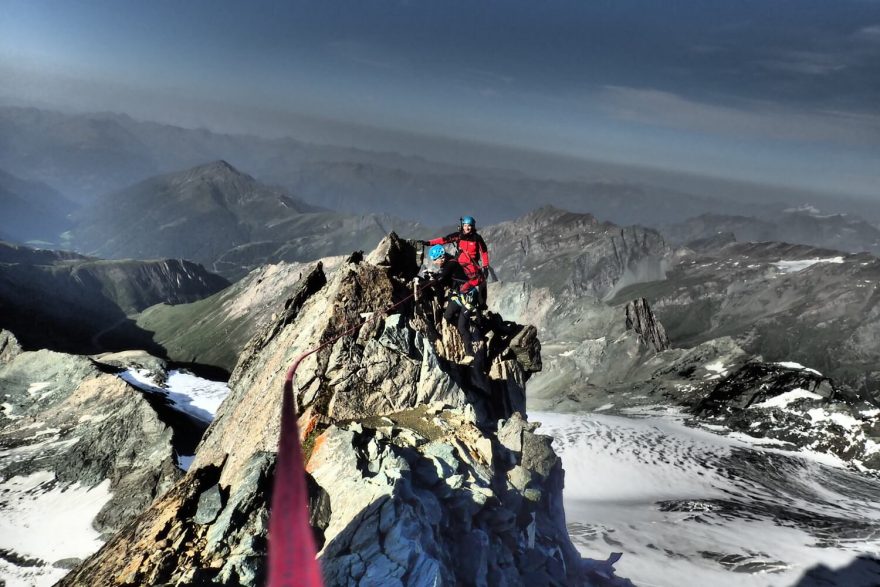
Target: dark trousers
453 311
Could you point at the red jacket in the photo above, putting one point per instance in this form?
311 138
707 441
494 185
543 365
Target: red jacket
472 250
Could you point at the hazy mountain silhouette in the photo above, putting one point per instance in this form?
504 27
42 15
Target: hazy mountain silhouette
225 219
85 155
31 211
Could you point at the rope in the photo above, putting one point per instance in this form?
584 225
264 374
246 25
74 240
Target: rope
292 549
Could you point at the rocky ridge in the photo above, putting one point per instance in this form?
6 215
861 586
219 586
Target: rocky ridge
798 407
421 470
778 301
213 331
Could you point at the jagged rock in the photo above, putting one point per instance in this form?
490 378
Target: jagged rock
642 320
400 448
210 504
9 346
527 349
397 255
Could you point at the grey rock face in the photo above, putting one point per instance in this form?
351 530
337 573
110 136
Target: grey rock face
9 346
411 484
68 421
575 254
641 320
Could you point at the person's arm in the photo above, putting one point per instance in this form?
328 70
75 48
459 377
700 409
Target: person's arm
484 251
449 238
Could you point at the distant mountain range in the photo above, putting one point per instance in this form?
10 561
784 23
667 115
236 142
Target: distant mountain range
87 155
804 225
225 219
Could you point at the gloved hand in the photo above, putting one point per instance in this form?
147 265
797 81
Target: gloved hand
486 271
425 243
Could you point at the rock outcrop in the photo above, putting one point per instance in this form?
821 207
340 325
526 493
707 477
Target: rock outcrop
213 331
798 407
75 437
422 470
641 320
9 346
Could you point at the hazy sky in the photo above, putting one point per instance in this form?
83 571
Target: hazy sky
784 91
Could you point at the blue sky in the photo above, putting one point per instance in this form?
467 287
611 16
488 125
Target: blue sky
780 91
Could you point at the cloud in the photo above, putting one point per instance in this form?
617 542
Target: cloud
361 53
805 62
871 33
754 120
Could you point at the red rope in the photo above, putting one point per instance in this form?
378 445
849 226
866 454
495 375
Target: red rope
292 549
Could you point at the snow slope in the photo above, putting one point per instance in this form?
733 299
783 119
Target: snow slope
688 507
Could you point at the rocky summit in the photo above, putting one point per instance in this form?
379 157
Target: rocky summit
421 469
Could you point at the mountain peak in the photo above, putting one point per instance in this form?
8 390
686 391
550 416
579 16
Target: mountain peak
220 166
546 215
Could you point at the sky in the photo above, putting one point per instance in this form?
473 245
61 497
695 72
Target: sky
777 91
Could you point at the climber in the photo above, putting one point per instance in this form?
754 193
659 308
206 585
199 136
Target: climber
472 250
464 282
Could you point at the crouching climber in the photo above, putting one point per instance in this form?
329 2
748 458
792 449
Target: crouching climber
463 300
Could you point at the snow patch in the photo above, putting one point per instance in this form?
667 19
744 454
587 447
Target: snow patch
783 399
200 398
717 368
7 411
800 265
37 387
821 415
798 366
722 528
46 521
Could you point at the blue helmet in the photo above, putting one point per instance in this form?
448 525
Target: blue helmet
436 252
468 220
